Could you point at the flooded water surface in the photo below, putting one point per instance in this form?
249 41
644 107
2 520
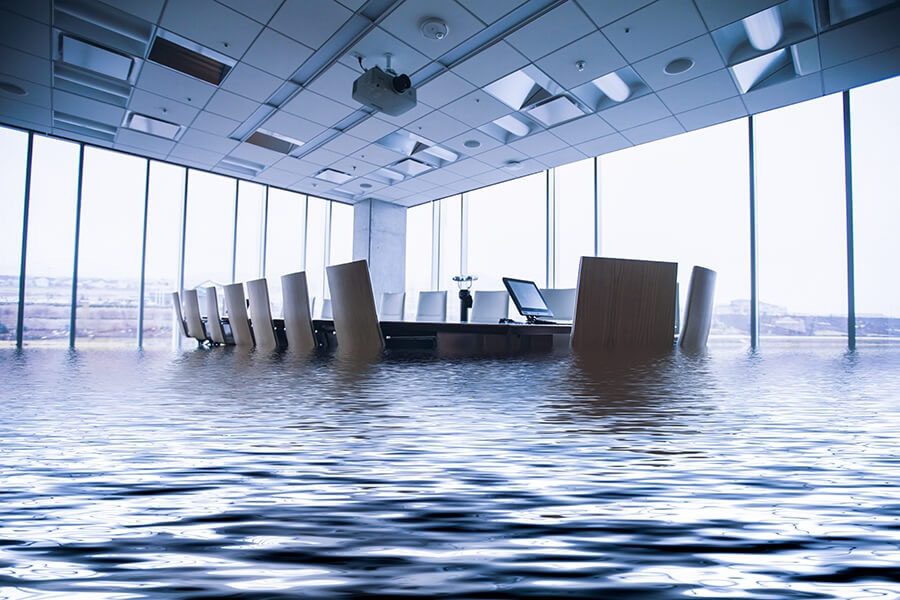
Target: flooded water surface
210 474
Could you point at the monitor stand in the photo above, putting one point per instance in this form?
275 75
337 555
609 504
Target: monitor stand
532 320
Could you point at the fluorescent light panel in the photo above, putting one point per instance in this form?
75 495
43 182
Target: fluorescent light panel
152 126
333 176
95 59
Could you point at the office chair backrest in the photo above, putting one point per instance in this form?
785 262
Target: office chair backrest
326 309
353 303
261 314
561 302
236 307
192 316
392 306
297 313
490 306
624 304
432 307
176 305
213 322
698 310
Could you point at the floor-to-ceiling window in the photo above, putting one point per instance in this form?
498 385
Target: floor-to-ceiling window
875 142
110 246
574 221
13 168
316 233
165 205
419 244
801 219
341 246
249 233
51 239
685 199
451 249
285 241
210 230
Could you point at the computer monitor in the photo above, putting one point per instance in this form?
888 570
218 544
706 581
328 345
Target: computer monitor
527 298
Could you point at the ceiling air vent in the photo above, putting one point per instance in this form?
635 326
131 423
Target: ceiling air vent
189 58
274 141
333 176
152 126
556 110
239 165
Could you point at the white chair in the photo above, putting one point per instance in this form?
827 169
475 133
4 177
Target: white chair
297 313
561 302
355 316
698 310
213 321
261 314
489 306
392 306
192 319
432 307
326 309
236 307
176 305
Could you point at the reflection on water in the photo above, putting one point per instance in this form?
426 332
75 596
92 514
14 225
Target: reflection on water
220 473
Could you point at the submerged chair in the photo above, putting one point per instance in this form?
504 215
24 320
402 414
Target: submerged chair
698 310
261 315
213 320
297 313
236 307
432 307
326 309
355 316
192 320
176 305
490 306
392 306
561 302
624 305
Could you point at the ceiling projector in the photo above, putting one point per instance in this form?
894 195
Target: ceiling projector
385 91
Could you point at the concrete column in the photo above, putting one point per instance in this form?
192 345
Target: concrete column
379 236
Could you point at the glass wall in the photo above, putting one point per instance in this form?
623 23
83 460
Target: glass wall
110 245
451 249
573 220
209 242
165 216
801 219
13 168
285 240
419 246
249 234
316 240
693 210
50 256
875 146
341 239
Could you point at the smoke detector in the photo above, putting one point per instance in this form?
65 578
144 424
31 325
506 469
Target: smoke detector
434 29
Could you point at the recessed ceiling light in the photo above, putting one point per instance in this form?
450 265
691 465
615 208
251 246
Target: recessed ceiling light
679 65
12 89
365 185
471 143
333 176
153 126
613 86
512 165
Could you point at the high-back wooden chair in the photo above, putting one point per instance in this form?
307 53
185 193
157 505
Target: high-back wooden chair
561 302
624 305
698 310
236 307
392 306
432 307
213 320
490 306
192 319
261 315
355 316
297 313
176 306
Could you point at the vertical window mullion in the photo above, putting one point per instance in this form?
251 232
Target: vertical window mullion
74 304
142 285
848 191
20 313
754 275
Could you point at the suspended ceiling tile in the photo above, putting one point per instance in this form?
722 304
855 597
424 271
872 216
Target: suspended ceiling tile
582 130
345 144
277 177
251 82
561 157
258 10
256 154
372 48
36 94
20 113
870 35
277 54
476 109
594 51
372 129
655 28
559 27
413 186
701 50
491 64
310 22
24 66
142 141
297 166
87 108
321 156
231 34
437 126
142 152
153 105
213 123
231 105
604 145
316 108
337 84
353 5
490 11
636 112
25 34
468 167
171 84
148 10
207 141
405 20
653 131
353 166
417 112
313 186
790 92
83 137
604 12
38 10
444 88
292 126
377 154
717 13
712 114
198 155
538 143
862 71
458 143
502 155
440 177
707 89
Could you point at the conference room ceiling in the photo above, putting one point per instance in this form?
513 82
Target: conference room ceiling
513 88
